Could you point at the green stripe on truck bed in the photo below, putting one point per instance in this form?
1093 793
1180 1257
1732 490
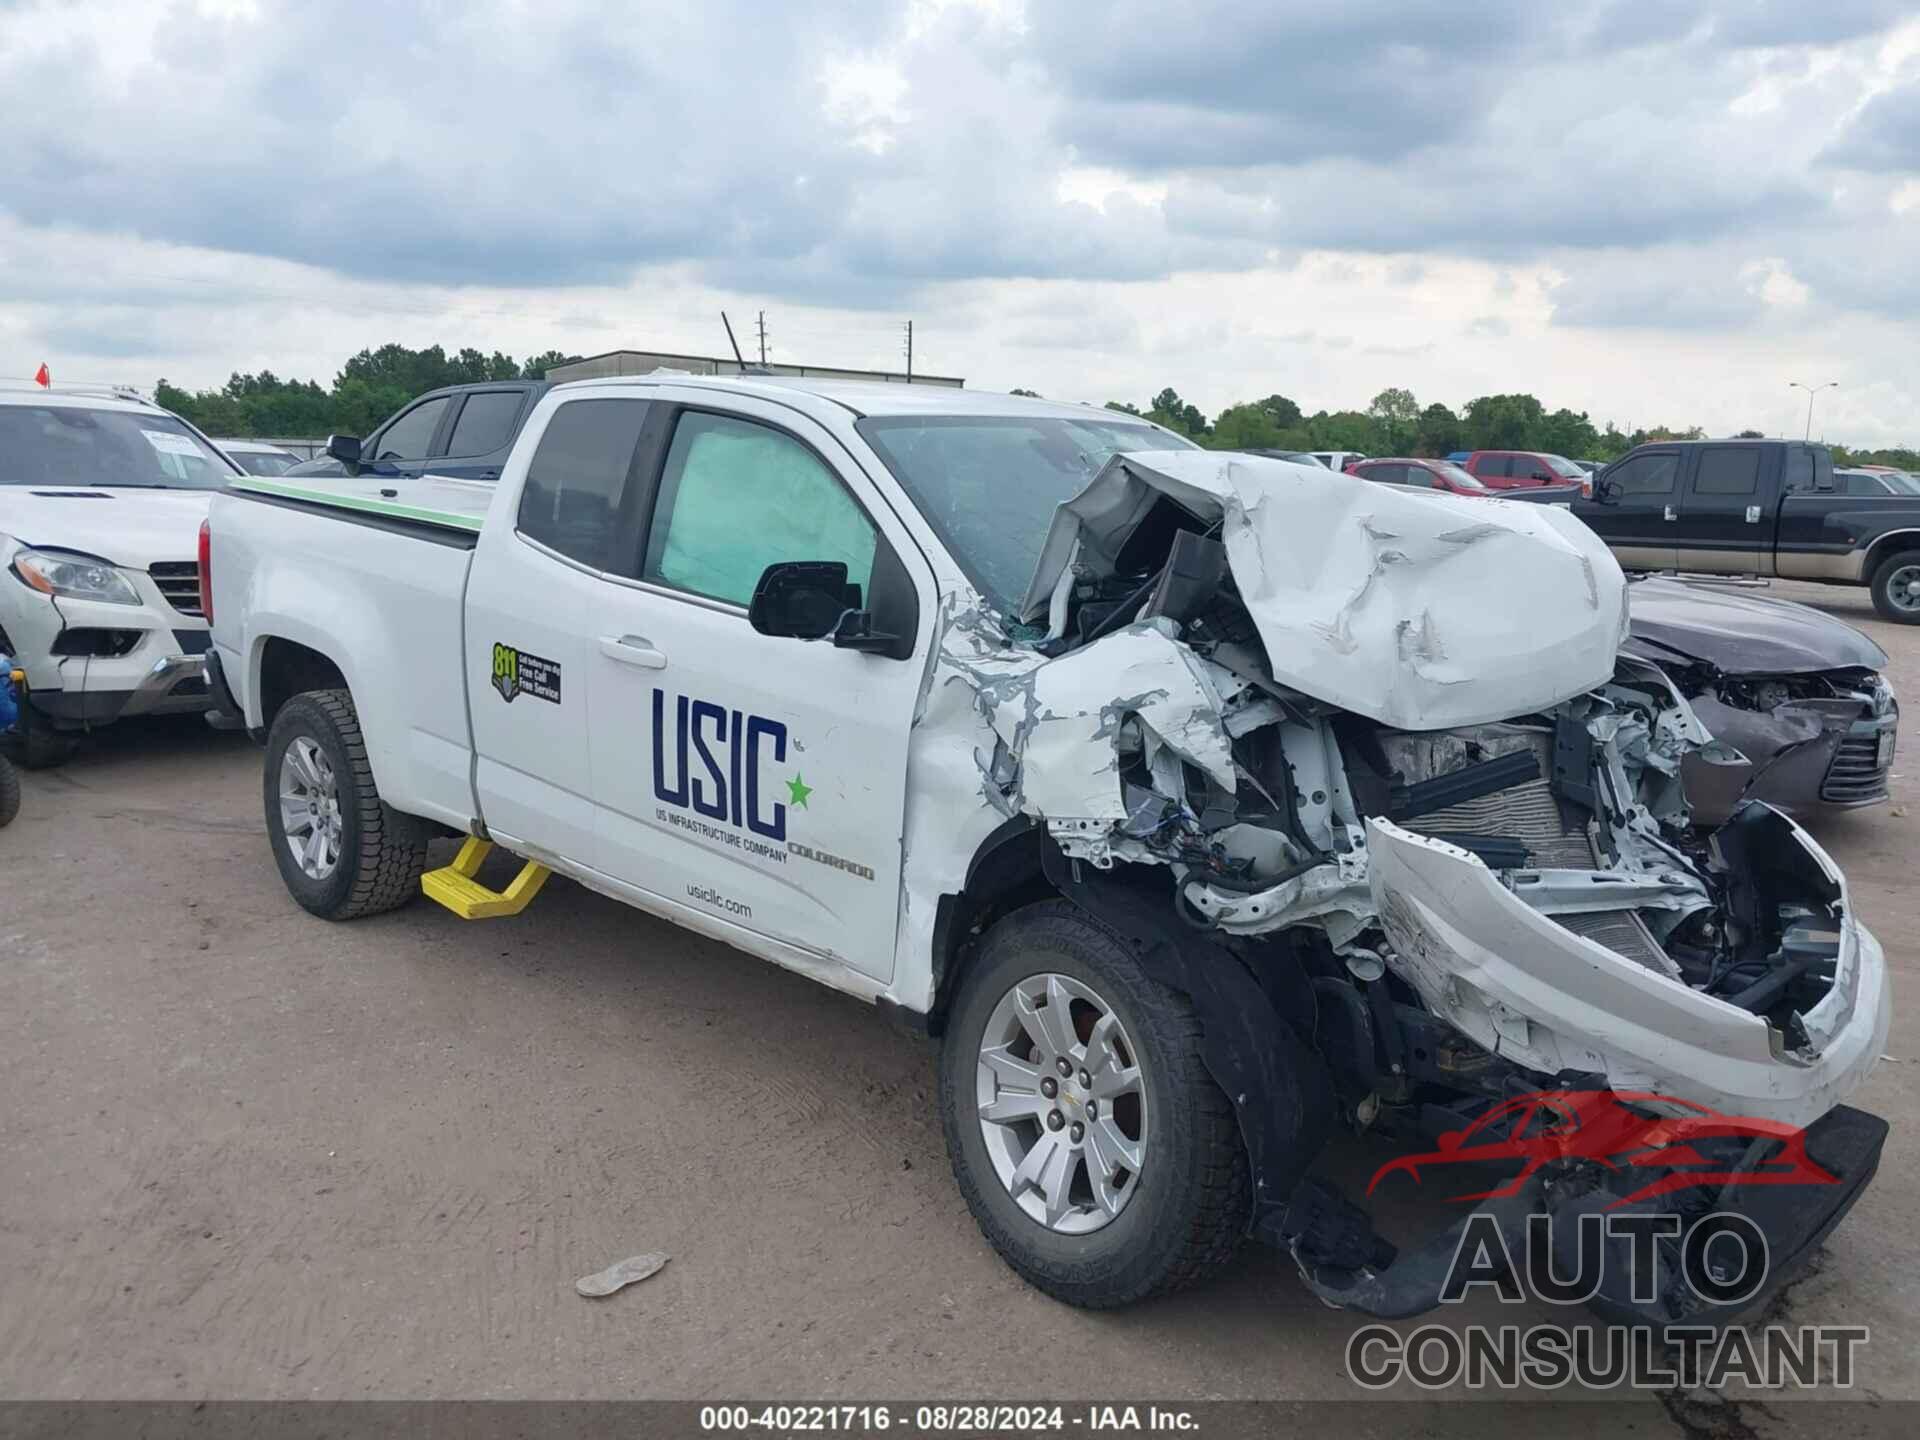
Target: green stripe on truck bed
338 501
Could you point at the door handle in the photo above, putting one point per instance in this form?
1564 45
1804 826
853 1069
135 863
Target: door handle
633 650
1753 514
1668 514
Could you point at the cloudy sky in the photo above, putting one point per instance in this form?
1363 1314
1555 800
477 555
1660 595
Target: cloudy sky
1658 211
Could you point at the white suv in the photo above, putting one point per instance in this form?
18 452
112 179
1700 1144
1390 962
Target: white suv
101 499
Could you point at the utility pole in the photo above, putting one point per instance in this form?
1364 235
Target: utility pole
1812 390
763 337
909 352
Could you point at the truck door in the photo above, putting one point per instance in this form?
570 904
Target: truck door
531 617
755 779
402 446
481 434
1635 508
1724 526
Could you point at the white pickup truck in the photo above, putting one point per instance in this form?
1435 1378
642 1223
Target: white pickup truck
1199 803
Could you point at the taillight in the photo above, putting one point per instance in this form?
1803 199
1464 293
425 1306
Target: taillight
206 571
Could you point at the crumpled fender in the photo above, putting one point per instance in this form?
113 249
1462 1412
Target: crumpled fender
1059 721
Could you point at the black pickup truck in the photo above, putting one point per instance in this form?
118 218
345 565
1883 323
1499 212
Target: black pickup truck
460 431
1756 507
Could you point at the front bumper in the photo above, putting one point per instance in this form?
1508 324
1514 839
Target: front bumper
172 685
159 668
1524 987
1794 1219
1804 759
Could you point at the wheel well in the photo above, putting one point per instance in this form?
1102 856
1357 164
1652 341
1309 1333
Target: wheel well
1005 875
288 669
1885 547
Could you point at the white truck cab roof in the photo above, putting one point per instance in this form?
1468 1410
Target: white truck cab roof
872 397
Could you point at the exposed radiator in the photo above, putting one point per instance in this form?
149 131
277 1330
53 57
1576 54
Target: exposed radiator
1529 813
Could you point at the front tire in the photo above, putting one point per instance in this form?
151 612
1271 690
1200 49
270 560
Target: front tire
1121 1175
9 791
1896 588
39 748
342 851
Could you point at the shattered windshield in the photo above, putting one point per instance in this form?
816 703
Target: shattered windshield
989 484
105 449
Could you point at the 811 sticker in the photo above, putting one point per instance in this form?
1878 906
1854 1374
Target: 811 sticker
515 672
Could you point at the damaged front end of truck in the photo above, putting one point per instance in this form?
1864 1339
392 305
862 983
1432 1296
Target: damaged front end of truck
1371 777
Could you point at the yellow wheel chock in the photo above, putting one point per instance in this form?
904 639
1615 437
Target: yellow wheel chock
454 886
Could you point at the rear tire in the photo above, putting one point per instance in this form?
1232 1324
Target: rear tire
1186 1206
9 791
359 856
39 748
1896 588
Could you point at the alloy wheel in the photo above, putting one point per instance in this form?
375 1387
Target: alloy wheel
310 807
1062 1103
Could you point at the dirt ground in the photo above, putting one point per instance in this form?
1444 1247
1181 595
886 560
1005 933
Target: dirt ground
247 1154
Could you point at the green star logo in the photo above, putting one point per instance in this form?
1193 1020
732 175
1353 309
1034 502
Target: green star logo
797 792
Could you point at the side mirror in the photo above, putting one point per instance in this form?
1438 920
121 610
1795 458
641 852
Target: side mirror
344 448
803 599
1605 491
1543 477
811 600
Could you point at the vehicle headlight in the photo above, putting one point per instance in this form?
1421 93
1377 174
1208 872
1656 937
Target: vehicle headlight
73 577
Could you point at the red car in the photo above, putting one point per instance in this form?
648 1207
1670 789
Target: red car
1522 469
1420 474
1595 1125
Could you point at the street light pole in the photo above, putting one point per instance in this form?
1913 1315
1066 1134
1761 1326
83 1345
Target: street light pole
1812 390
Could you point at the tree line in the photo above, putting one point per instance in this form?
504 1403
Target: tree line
369 388
1395 423
375 383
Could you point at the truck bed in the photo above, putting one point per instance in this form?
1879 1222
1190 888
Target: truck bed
424 499
389 576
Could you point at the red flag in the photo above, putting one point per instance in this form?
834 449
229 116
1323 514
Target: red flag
41 377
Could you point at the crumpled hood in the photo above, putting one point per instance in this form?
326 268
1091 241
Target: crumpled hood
134 528
1743 634
1406 608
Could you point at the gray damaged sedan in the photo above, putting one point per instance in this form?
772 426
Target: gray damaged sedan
1797 700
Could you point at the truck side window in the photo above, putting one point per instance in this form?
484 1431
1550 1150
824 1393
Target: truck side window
1727 470
736 497
578 476
1645 474
1799 470
485 423
408 437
